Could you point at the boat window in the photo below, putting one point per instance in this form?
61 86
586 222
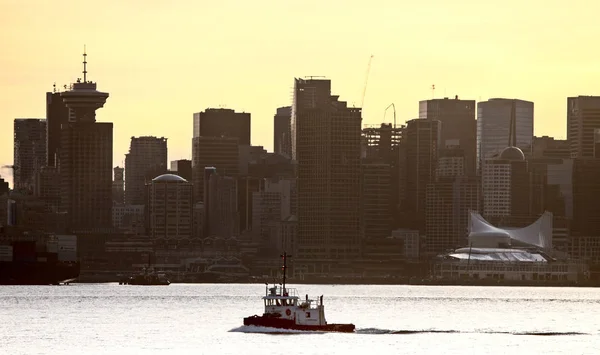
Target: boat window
307 314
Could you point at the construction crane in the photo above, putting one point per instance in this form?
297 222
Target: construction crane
362 101
385 111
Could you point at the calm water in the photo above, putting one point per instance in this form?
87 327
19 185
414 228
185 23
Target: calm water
205 319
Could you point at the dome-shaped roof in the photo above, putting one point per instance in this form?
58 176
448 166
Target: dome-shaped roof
169 178
512 153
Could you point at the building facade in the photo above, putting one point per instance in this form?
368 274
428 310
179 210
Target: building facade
29 152
147 158
170 207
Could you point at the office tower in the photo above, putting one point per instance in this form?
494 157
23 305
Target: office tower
57 114
220 204
85 158
422 146
326 143
221 153
493 121
183 168
458 125
282 141
47 187
449 199
220 122
270 206
376 200
147 158
549 147
118 186
586 194
170 207
29 151
583 118
506 181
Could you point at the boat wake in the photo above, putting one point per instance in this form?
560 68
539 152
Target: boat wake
377 331
424 331
268 330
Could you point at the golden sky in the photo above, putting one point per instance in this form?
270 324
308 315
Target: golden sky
161 61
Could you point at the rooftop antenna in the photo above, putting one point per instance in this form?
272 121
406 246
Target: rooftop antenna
84 65
432 91
54 87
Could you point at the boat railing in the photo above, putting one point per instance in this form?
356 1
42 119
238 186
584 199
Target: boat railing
280 292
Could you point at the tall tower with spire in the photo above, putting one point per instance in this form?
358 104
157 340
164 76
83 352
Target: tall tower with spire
85 158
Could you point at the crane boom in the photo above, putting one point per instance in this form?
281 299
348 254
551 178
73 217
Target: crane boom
362 101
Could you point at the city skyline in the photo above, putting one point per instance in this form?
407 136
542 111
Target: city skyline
257 77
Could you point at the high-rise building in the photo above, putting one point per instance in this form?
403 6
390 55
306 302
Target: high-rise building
270 206
586 194
183 168
493 121
57 114
583 118
220 205
376 200
118 186
3 186
326 144
29 151
147 158
221 153
458 124
549 147
85 158
422 147
221 122
170 207
282 141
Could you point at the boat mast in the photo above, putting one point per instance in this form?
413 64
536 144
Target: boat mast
284 268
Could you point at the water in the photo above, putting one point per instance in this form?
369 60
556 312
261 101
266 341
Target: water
206 319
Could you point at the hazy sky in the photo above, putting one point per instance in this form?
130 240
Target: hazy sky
161 61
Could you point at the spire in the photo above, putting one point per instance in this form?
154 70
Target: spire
84 65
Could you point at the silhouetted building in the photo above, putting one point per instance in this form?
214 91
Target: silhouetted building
118 186
493 120
221 153
57 114
170 207
221 122
3 187
583 118
326 143
85 162
422 146
458 124
29 152
549 147
586 194
282 141
270 206
183 168
147 158
220 205
376 200
48 187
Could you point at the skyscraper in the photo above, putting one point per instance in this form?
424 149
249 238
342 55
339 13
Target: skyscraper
29 151
170 207
221 153
282 141
57 114
221 122
147 158
458 125
583 118
118 186
422 146
85 158
493 121
326 143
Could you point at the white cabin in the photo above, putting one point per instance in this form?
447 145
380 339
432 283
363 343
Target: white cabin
284 303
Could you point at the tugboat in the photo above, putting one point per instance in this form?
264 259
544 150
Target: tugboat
285 310
147 277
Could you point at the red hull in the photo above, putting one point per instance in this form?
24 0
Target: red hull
281 323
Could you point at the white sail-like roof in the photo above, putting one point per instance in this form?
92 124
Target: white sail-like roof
483 234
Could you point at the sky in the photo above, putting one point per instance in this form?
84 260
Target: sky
161 61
